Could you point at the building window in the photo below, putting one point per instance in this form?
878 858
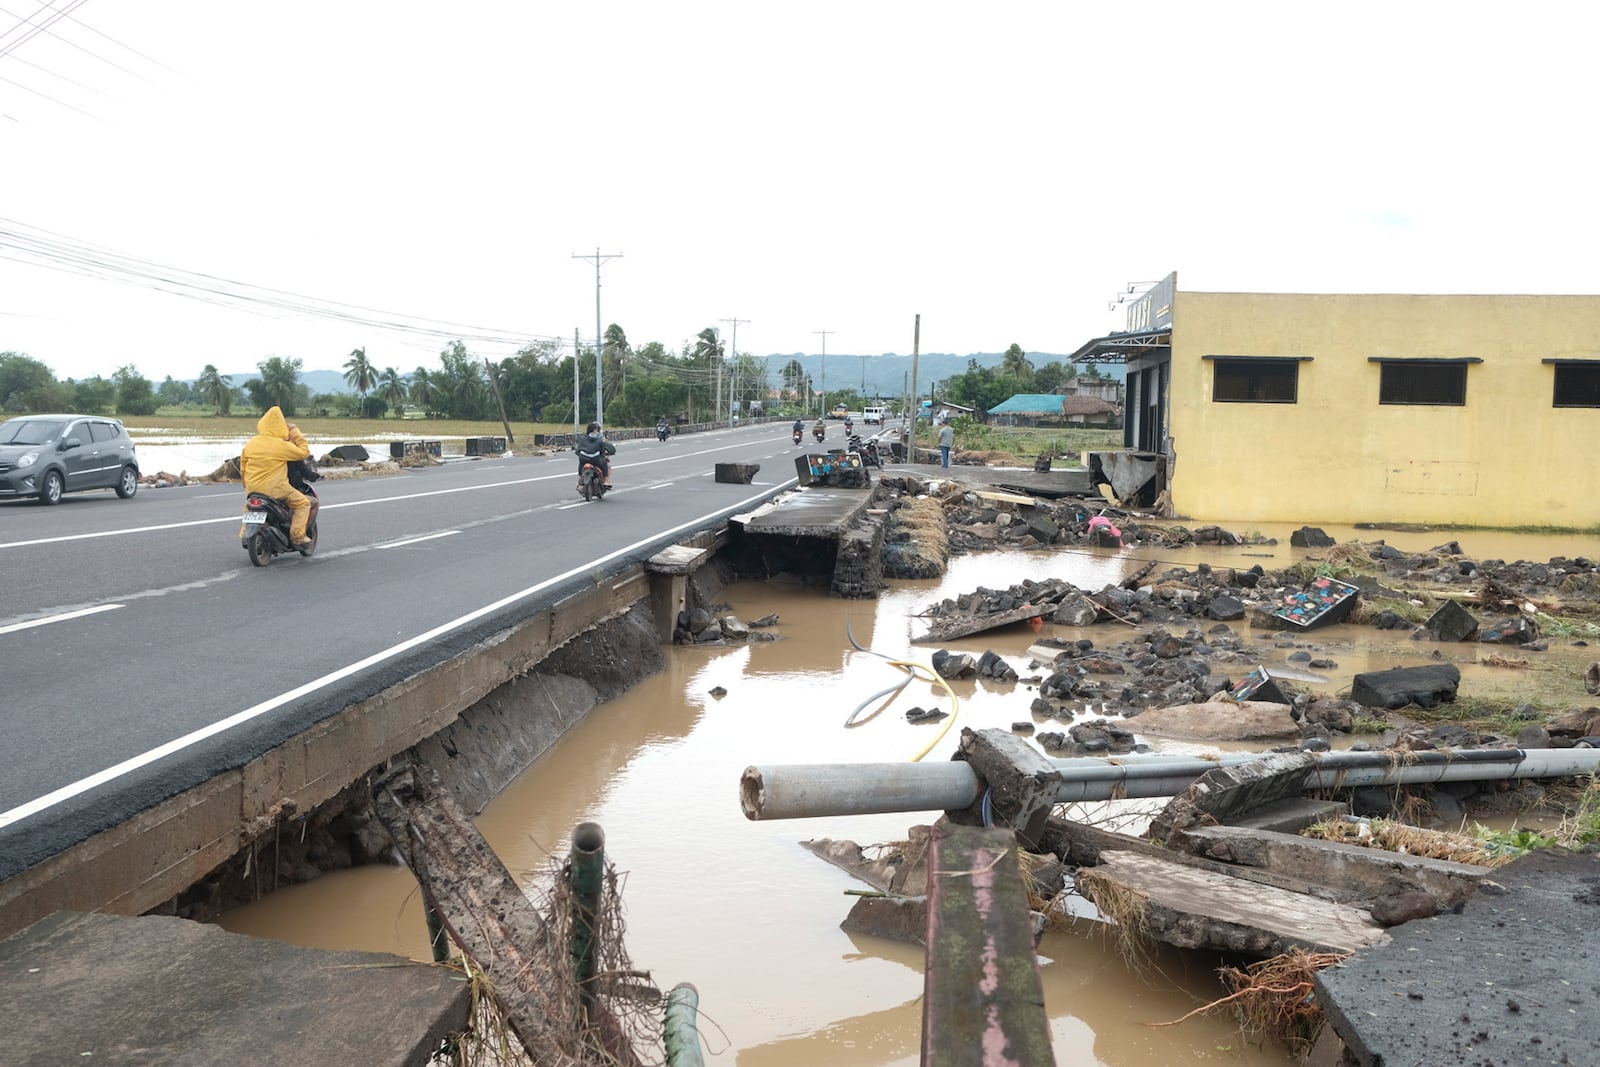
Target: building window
1423 382
1577 385
1254 380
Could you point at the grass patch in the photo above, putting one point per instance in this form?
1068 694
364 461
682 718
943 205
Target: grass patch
1483 714
1393 836
1368 609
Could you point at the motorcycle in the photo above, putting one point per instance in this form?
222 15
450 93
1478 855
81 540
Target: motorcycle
662 430
797 436
868 451
819 431
591 479
265 531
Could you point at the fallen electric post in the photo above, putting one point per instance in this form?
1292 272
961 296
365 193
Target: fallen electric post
812 790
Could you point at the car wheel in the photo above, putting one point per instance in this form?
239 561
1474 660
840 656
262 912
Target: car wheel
52 488
128 484
259 548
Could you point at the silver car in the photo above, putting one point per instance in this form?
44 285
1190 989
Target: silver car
45 456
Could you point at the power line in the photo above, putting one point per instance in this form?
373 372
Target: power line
44 248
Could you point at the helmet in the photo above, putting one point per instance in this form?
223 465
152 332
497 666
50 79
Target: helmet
593 427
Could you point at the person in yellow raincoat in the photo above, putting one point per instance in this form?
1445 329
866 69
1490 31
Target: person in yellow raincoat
264 465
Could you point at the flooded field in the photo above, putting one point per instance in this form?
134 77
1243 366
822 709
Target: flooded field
749 916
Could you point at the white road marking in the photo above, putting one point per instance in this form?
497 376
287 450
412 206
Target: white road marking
414 540
630 465
63 617
143 759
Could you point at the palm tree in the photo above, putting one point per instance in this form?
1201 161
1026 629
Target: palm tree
361 375
424 391
392 390
279 377
217 389
1016 364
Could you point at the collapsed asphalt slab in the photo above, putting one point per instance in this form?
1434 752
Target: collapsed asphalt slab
1513 978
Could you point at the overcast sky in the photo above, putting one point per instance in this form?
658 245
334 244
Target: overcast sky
1002 169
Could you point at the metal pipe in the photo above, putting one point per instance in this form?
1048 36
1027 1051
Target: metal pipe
801 791
681 1033
587 870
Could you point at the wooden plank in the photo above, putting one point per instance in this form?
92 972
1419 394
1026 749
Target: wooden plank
486 914
1194 908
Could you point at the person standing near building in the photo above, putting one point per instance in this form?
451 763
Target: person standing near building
947 439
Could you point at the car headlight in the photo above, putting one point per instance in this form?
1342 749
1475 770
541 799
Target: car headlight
27 459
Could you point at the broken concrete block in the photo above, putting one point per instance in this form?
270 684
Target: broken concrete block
1076 609
1225 608
903 919
954 664
736 473
1423 686
1452 622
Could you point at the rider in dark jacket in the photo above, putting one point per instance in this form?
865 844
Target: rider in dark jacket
593 447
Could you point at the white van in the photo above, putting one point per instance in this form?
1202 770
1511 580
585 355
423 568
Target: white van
873 415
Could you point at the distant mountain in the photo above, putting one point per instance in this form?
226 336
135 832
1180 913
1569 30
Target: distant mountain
885 375
318 381
888 375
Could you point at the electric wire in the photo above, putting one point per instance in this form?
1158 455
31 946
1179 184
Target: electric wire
913 671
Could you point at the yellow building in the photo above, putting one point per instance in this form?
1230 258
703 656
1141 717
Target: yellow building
1381 408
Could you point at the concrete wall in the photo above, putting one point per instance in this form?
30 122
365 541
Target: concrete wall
1506 458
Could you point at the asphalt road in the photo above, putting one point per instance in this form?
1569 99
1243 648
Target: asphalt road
141 653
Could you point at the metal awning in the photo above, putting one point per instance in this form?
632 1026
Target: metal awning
1121 347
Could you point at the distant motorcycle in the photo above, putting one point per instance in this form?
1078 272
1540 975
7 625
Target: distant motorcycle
819 431
662 431
591 479
265 530
867 450
797 437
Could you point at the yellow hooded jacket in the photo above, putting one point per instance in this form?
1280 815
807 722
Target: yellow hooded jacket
264 463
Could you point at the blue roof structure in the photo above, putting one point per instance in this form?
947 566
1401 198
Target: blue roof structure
1030 404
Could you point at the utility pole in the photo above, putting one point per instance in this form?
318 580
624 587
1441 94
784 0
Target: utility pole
499 402
822 403
599 397
577 355
916 348
733 345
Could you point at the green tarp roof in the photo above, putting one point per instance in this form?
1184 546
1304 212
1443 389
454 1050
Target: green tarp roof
1030 404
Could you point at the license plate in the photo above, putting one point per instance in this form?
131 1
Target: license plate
255 518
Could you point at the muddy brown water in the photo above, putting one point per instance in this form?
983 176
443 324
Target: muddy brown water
740 909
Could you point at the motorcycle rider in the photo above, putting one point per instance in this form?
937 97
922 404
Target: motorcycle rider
662 429
799 427
593 447
264 466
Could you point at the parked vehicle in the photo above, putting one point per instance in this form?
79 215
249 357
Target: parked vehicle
265 530
867 450
45 456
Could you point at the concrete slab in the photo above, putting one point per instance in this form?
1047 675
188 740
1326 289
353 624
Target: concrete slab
1070 481
677 559
1194 908
1361 874
1290 815
113 990
812 512
1512 979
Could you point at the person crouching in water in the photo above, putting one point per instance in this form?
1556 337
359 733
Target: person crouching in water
593 447
264 466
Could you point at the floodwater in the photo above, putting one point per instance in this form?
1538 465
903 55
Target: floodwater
740 909
180 452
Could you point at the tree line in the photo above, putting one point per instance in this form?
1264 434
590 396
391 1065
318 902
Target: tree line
536 384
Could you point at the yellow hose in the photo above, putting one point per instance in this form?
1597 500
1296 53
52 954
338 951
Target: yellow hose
916 671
